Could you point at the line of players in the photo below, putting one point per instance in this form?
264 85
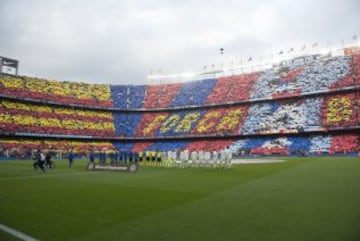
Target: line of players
182 158
186 158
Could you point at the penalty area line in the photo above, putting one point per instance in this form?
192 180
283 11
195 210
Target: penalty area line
16 233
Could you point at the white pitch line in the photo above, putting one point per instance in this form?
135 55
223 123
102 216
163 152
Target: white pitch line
44 175
17 234
255 161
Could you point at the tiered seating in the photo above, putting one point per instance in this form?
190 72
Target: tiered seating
136 96
56 91
339 110
193 93
320 144
233 88
304 79
353 77
225 120
34 144
344 144
268 146
152 146
299 145
269 151
207 124
179 123
167 124
126 123
328 144
248 144
141 146
127 96
16 117
311 108
150 123
160 96
123 146
279 146
356 68
168 146
270 83
321 75
296 115
286 84
315 145
210 145
216 121
284 116
119 94
344 82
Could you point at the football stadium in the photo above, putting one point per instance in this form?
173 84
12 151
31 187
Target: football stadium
247 152
304 113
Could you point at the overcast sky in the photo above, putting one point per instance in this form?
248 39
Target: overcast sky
121 41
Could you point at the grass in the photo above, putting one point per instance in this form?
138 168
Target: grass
301 199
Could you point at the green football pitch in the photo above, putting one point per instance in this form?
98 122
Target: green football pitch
300 199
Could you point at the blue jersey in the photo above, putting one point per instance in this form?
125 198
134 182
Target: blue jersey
92 157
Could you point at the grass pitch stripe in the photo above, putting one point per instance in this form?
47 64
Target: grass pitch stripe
41 175
17 234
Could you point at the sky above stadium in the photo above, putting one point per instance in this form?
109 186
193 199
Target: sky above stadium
122 42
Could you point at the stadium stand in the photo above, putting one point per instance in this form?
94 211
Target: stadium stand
21 117
127 97
313 145
193 93
126 123
232 89
339 110
304 108
160 96
284 116
67 93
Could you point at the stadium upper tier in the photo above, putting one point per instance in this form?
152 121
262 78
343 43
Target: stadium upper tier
320 74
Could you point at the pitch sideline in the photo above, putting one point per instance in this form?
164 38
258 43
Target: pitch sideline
16 233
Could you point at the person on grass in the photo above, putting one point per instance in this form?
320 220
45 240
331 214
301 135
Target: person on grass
70 157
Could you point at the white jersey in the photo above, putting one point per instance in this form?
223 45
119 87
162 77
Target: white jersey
201 156
207 156
215 155
169 155
223 155
194 155
174 155
186 155
229 155
42 156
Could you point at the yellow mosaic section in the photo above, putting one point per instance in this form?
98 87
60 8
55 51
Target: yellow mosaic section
339 110
53 109
59 145
60 88
65 122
